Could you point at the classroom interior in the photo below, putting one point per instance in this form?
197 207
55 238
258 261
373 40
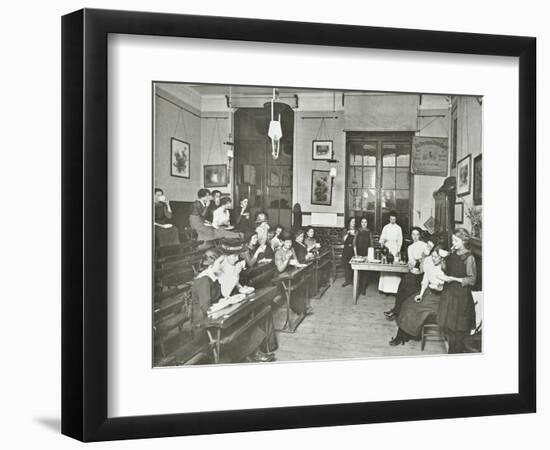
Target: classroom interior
330 156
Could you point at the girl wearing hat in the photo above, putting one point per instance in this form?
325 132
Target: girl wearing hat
207 290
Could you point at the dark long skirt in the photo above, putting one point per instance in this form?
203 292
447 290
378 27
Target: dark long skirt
347 254
456 310
413 315
409 285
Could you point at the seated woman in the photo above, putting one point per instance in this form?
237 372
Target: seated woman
286 257
231 267
262 227
456 316
242 217
276 241
197 218
410 283
221 221
418 307
166 233
303 253
310 241
252 252
205 292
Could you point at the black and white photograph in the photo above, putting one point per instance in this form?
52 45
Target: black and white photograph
362 250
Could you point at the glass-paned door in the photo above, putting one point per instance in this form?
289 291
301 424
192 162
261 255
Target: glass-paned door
378 177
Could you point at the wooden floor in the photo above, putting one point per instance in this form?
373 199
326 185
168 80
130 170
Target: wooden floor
340 329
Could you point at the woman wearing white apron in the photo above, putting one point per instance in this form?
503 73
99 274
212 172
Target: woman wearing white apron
392 239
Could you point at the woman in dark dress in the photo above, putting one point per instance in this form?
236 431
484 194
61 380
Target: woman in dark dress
419 306
347 253
303 254
361 243
205 292
456 316
242 217
410 283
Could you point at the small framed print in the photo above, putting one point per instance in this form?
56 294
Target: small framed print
321 187
478 191
459 212
322 150
180 158
215 175
464 176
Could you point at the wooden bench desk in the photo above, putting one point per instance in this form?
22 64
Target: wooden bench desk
228 323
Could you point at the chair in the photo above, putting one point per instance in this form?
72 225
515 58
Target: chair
431 332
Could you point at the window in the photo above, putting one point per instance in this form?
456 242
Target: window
378 177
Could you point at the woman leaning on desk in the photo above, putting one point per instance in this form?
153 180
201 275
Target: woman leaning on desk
205 292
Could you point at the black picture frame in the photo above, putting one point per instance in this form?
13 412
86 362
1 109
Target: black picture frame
321 187
319 143
84 224
464 170
219 169
478 176
459 212
186 148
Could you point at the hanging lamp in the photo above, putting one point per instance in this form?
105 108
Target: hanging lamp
275 132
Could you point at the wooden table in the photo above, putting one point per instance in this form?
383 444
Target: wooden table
290 280
374 267
228 323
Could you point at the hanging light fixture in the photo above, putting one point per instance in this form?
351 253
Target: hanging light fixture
275 131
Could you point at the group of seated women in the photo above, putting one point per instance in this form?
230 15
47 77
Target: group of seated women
438 285
220 279
222 274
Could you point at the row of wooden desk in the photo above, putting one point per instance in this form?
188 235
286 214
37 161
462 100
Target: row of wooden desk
317 275
172 303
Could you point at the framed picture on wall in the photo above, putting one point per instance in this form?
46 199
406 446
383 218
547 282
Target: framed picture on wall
478 199
322 150
215 175
321 187
180 158
464 176
459 212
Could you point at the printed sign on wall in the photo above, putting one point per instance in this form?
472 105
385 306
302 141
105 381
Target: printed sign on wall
430 156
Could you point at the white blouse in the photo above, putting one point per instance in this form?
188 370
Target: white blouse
416 250
392 237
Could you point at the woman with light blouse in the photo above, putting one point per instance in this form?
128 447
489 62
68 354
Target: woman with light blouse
410 283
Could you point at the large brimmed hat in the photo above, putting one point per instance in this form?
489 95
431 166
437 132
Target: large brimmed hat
232 246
